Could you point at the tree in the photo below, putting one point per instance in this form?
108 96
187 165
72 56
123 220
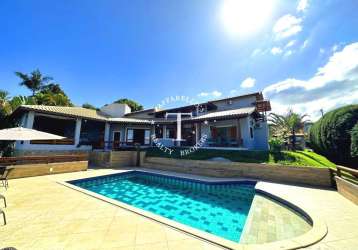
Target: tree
332 135
52 88
287 125
5 107
17 101
51 99
88 106
33 81
135 106
354 141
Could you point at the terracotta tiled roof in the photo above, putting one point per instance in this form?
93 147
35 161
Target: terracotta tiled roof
225 114
79 112
69 111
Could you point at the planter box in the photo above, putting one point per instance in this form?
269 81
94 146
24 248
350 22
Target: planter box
284 174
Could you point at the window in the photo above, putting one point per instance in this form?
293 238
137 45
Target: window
147 136
130 135
159 131
251 133
170 132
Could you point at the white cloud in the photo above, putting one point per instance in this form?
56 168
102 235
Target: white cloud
302 5
304 44
321 51
214 93
256 52
248 83
288 53
287 26
290 43
335 47
333 85
276 51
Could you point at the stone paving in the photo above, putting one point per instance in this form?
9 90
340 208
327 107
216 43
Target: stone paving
43 214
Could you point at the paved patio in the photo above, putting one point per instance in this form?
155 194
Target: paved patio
43 214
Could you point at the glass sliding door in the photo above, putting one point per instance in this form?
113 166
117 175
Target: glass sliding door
138 135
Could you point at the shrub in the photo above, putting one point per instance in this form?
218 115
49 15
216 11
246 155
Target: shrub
331 135
275 144
354 141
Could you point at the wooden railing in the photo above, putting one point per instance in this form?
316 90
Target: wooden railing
42 159
65 141
348 174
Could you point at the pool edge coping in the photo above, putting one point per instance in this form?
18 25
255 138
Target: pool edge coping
314 235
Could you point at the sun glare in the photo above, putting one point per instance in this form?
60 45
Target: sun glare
244 17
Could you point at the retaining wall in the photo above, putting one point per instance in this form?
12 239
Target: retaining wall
347 189
114 159
275 173
29 170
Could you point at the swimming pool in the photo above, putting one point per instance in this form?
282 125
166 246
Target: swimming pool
220 208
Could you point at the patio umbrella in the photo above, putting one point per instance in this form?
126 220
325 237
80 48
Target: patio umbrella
26 134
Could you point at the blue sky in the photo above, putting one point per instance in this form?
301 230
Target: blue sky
304 55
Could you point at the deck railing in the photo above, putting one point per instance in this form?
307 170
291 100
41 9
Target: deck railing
42 159
66 141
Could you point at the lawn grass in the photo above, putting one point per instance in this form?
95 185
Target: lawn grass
292 158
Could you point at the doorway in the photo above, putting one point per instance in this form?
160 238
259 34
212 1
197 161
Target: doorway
116 139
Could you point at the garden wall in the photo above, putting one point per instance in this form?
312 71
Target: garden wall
29 170
114 159
347 189
276 173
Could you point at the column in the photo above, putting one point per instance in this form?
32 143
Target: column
238 133
197 132
178 129
152 132
164 131
27 123
30 119
106 135
78 131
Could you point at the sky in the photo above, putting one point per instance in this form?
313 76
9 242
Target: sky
301 54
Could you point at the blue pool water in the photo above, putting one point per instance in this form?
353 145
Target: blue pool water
220 209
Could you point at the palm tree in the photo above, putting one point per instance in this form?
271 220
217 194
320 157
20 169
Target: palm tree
5 107
288 124
34 81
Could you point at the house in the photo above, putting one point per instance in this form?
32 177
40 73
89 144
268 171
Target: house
237 123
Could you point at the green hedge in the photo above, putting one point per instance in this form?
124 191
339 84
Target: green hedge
297 158
331 135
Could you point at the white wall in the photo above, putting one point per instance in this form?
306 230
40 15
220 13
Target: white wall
116 109
236 103
248 142
261 136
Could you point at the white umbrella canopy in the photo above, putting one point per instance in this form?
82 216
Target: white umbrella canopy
26 134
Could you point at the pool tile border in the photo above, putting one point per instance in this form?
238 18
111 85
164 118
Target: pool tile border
318 231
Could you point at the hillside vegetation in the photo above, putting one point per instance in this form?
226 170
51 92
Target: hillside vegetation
293 158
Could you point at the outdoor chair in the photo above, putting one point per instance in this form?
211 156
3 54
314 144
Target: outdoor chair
3 197
4 174
3 216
